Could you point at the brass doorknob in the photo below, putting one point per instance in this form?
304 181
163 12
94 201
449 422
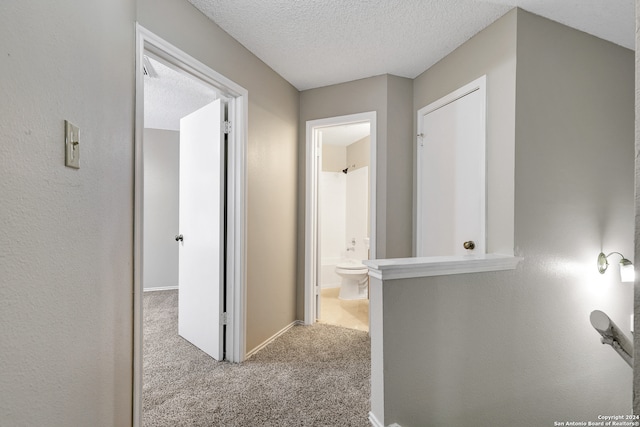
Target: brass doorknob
469 245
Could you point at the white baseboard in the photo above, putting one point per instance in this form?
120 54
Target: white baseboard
270 340
165 288
374 421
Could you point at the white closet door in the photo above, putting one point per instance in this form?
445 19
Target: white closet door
451 176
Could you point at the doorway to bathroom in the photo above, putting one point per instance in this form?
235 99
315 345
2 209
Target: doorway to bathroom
340 219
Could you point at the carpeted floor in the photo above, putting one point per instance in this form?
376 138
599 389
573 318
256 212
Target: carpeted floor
310 376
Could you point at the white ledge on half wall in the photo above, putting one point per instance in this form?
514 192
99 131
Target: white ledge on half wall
407 268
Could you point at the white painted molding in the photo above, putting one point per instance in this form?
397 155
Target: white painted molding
273 337
163 288
374 421
313 148
148 43
407 268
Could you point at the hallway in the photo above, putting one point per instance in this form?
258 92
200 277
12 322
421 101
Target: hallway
310 376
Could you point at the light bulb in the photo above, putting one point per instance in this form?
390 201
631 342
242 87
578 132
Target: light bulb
627 272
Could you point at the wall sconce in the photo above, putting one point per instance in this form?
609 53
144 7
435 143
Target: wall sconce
627 273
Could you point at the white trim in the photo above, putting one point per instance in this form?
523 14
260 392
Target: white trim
163 288
238 113
311 262
407 268
272 338
374 421
138 214
238 109
479 85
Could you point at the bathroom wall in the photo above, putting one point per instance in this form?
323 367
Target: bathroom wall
272 160
357 214
516 347
333 224
344 207
66 234
359 153
161 154
334 158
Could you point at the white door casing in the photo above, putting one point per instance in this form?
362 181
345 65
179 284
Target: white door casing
201 219
313 167
451 202
148 43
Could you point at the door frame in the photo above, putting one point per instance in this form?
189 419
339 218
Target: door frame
235 339
312 260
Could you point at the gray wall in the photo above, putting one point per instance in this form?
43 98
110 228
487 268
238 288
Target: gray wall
271 159
517 348
161 154
397 181
636 261
491 52
65 234
390 97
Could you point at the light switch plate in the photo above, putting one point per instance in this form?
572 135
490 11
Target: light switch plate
72 145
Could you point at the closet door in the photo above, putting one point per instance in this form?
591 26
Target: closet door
451 174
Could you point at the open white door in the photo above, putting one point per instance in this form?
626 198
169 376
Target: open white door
201 220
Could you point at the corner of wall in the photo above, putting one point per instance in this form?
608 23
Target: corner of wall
636 261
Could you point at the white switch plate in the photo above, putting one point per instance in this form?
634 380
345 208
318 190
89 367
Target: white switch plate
72 145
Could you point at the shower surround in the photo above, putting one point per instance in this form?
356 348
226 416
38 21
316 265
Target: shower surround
344 220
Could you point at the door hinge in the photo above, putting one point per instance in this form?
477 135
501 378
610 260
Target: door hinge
223 318
317 290
227 127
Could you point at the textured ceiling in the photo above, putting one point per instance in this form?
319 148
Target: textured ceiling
314 43
170 95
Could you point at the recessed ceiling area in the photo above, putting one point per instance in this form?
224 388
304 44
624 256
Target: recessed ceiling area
170 95
318 43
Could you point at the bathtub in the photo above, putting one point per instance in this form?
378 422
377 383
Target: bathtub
328 276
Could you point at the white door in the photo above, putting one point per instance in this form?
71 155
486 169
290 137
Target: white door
201 220
451 175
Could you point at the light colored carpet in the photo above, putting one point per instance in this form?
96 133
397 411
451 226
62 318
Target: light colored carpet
310 376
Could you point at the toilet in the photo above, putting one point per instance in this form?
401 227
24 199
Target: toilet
354 281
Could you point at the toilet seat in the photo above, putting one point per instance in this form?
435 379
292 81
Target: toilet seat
351 266
353 272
